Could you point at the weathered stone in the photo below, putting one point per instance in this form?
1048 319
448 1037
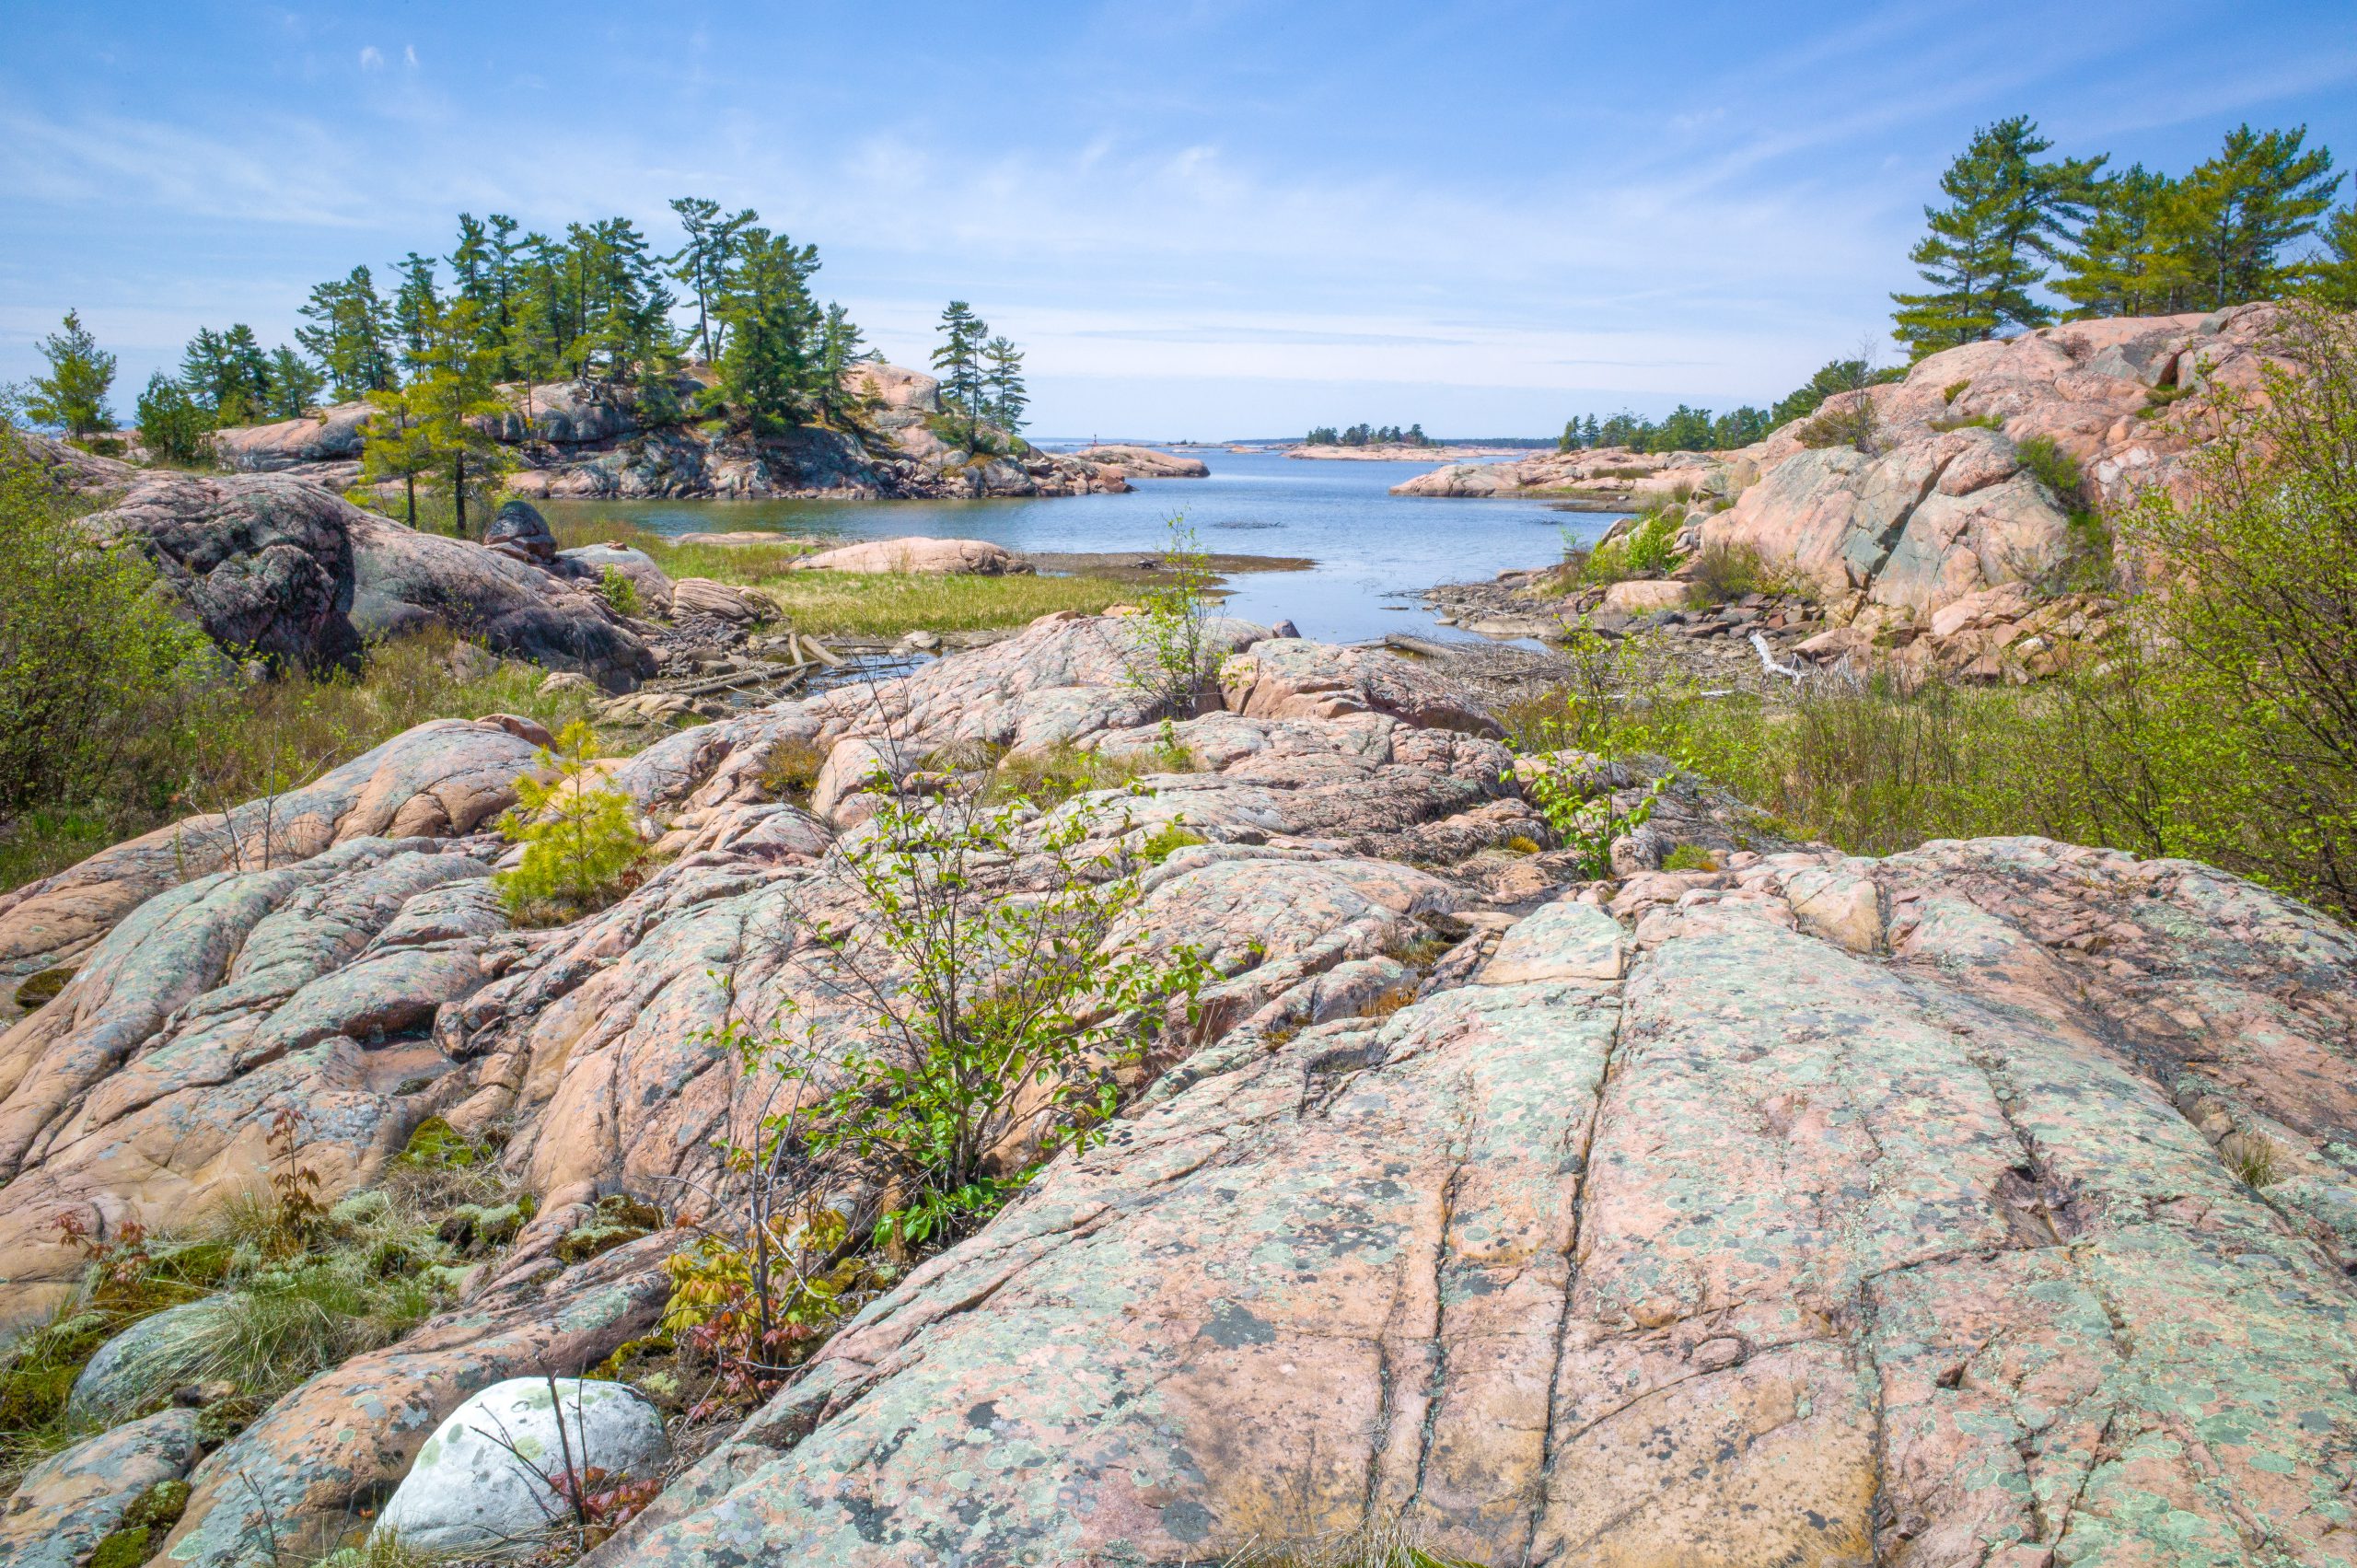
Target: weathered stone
490 1482
977 556
519 531
68 1504
144 1363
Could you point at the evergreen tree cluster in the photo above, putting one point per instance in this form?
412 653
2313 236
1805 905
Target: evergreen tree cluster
982 377
1369 435
1685 430
2022 240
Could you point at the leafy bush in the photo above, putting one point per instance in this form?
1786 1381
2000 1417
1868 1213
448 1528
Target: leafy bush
1167 657
580 840
1647 550
1955 389
620 594
1848 421
1724 572
2051 466
93 663
174 426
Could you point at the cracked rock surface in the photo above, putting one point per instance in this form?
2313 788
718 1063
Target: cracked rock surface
1815 1209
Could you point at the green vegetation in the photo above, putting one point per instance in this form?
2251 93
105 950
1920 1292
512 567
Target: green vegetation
981 378
1368 436
291 1286
116 716
2223 728
1685 430
2051 467
172 426
1002 986
580 840
1648 549
73 396
2134 243
1168 657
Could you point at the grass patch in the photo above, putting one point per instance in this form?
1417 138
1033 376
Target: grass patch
243 740
1050 777
887 604
1689 857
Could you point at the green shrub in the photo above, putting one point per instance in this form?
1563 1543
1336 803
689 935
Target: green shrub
1849 423
1167 658
2051 466
1954 390
1647 550
580 842
790 769
620 594
1689 857
93 663
1166 842
173 426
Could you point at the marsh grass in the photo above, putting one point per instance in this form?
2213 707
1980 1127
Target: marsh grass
846 604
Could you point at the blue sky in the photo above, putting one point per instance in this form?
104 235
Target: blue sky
1202 220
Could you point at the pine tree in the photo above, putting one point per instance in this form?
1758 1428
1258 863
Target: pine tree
455 401
74 394
351 334
416 306
840 351
771 330
2233 216
2333 275
959 360
295 384
1004 394
2125 264
703 262
395 446
2007 213
1594 431
172 425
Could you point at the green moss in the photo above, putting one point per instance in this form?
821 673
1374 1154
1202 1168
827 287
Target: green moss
123 1549
620 1218
437 1145
1168 841
1689 857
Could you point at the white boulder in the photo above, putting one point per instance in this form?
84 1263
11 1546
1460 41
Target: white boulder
490 1481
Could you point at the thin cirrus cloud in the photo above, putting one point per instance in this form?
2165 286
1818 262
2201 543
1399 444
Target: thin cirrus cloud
1181 211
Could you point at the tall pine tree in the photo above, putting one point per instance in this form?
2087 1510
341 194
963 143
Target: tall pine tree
705 261
771 330
2007 214
1004 392
74 394
959 360
2234 216
350 334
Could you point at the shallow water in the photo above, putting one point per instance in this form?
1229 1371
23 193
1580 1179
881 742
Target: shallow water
1374 551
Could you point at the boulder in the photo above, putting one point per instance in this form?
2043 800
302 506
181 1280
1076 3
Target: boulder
274 566
146 1361
723 601
520 531
1642 596
69 1503
490 1482
332 435
297 1478
1586 1262
979 556
590 563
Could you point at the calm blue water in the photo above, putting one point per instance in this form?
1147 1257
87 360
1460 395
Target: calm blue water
1375 551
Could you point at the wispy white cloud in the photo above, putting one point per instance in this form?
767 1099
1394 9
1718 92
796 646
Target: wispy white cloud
371 59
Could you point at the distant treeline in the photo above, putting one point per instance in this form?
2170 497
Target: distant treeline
1369 435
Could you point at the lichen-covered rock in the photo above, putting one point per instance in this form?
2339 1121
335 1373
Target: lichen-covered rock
276 565
1993 1202
145 1360
1764 1251
488 1482
296 1478
70 1502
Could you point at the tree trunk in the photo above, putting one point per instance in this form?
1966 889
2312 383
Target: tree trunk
459 493
409 483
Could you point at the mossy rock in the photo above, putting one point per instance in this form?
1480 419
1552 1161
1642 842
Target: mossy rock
435 1143
620 1218
126 1547
160 1505
41 989
138 1368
